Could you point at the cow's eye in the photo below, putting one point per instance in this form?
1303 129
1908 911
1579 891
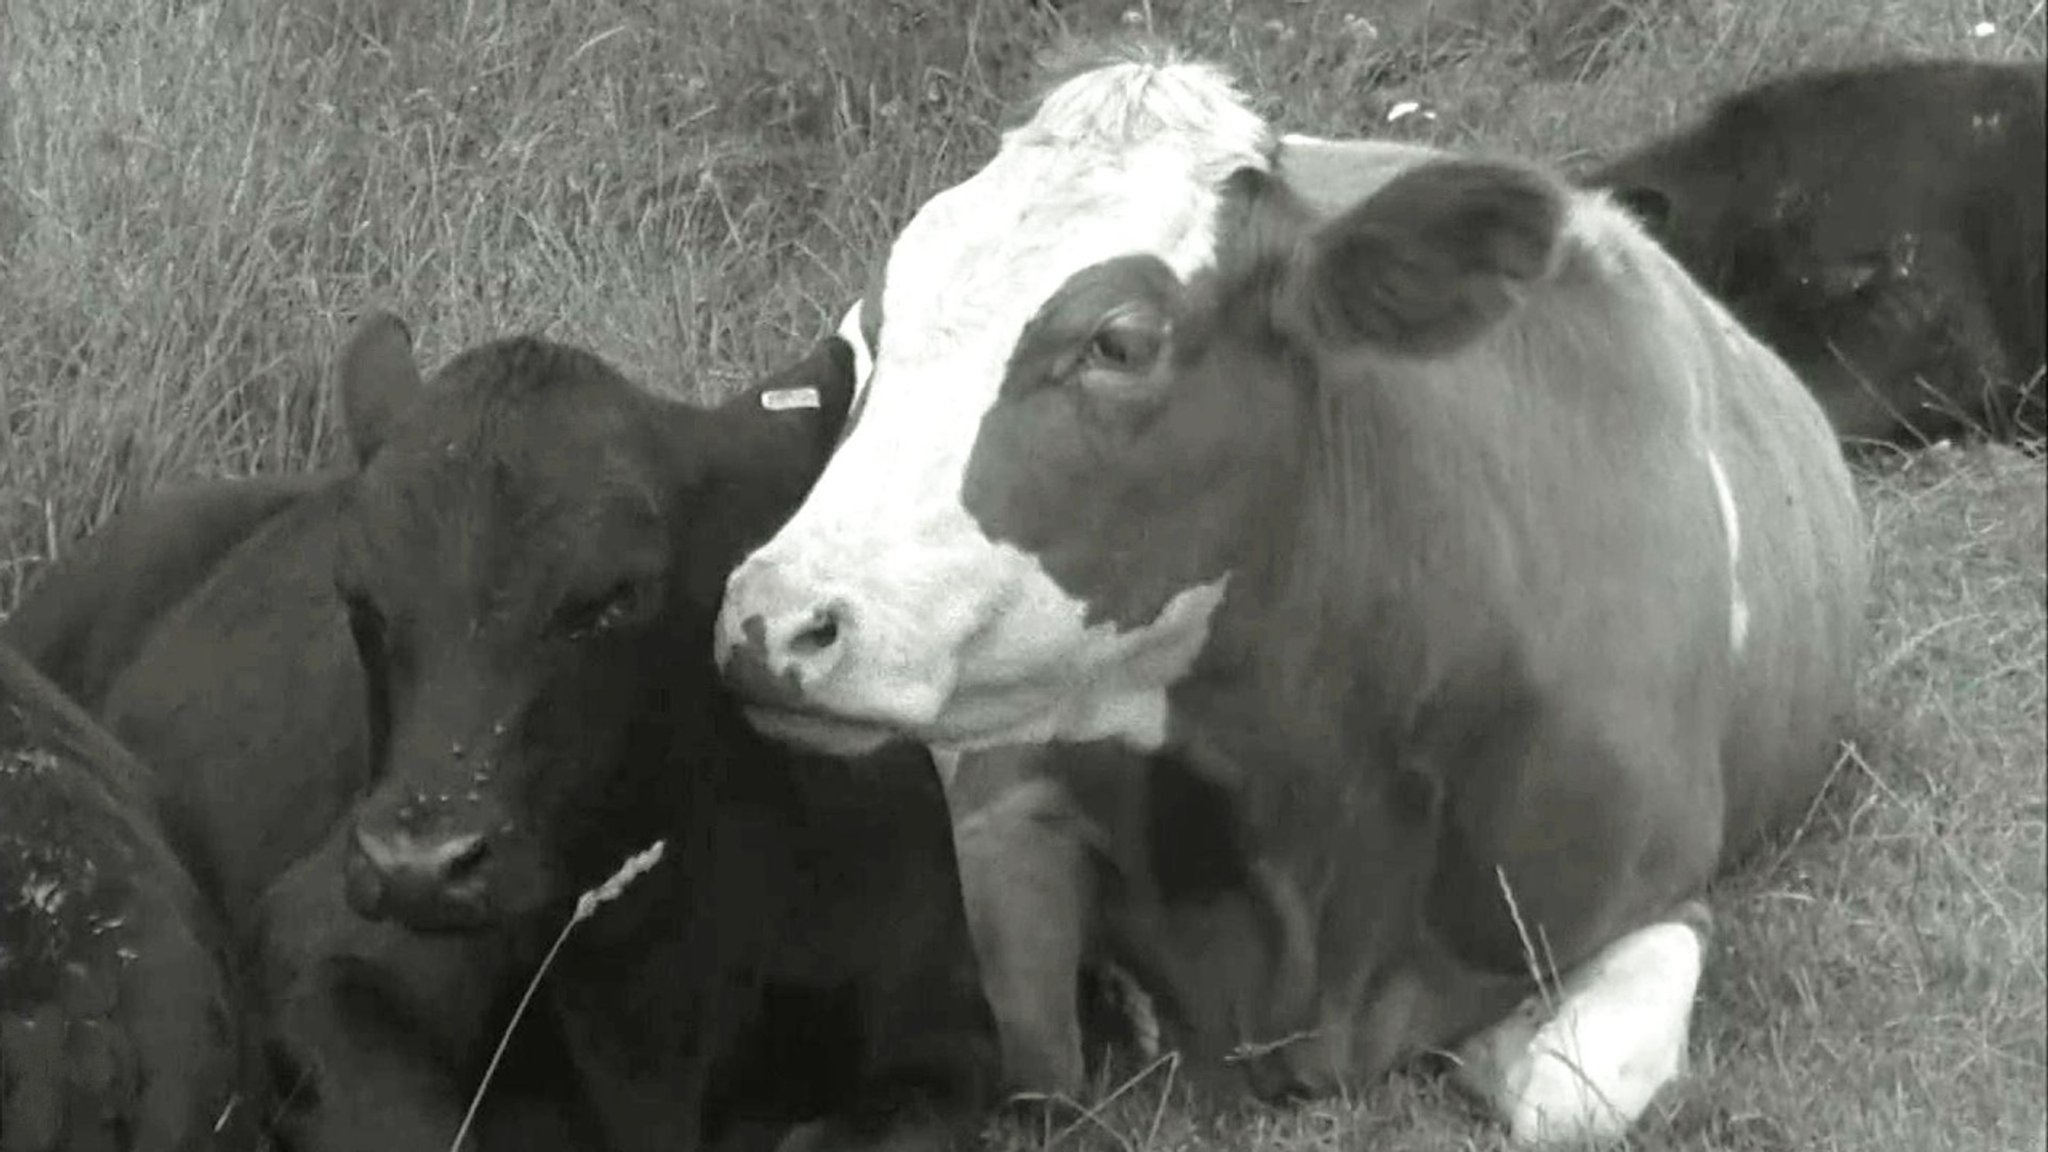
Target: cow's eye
1125 343
624 604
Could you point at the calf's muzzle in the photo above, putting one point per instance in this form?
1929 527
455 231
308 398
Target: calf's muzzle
429 880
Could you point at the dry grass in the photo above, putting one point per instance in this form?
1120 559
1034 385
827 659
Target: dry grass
194 197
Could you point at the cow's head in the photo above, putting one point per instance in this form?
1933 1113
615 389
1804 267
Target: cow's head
1062 466
893 601
1781 250
1845 293
530 559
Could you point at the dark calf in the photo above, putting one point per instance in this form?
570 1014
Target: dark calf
1880 227
121 1021
379 1033
531 560
516 561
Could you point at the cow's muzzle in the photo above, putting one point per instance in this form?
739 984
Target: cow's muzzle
777 640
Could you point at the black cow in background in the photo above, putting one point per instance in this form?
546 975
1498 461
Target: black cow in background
1881 227
121 1022
799 953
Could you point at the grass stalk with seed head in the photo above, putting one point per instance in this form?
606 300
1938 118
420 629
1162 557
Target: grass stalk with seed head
587 905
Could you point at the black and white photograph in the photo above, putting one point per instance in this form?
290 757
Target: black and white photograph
1023 576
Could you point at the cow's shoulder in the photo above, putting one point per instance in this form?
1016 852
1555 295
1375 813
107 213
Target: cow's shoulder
1807 101
249 678
91 610
267 602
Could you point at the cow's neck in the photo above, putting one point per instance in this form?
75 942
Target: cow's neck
1315 704
1355 625
1275 690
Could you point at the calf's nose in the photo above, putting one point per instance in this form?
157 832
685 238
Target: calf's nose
777 639
424 880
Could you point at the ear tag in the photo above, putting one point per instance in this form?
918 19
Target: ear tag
785 399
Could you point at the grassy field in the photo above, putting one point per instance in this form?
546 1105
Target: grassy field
195 195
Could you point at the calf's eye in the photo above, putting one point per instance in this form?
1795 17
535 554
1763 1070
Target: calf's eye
624 604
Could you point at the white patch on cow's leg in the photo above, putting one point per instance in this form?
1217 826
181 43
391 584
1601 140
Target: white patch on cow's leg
1135 1005
1738 605
1614 1034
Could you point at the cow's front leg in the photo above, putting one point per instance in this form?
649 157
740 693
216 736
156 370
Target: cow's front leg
1027 876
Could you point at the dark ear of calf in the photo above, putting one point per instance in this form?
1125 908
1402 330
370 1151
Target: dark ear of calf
801 408
377 380
777 435
763 449
1430 261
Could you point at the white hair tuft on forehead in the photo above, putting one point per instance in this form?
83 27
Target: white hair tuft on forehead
1152 99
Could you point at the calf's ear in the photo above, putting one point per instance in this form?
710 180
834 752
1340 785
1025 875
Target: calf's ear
377 379
755 457
791 420
1429 262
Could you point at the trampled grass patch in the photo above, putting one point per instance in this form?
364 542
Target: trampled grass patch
194 197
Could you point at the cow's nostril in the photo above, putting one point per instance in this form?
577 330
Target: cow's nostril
817 634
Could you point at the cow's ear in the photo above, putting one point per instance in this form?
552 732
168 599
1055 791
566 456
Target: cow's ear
1429 262
1650 206
377 379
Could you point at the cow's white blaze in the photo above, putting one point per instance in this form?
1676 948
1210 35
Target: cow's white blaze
1585 1066
955 638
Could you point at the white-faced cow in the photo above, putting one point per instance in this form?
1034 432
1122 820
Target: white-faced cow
1498 584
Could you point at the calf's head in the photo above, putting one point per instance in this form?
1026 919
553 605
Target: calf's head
1842 292
530 561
